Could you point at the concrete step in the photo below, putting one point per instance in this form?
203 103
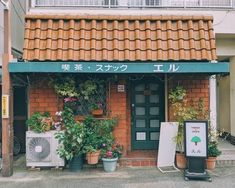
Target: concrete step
227 158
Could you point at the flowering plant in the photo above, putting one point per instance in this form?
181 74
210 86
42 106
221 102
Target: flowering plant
213 150
112 152
56 125
71 101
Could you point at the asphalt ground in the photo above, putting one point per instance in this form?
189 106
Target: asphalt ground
148 177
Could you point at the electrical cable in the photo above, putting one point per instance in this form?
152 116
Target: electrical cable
17 14
21 6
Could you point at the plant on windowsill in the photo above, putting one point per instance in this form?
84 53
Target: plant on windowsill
71 140
97 109
40 122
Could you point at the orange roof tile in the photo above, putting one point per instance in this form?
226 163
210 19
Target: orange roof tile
119 38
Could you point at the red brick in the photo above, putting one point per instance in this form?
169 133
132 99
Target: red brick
145 163
135 163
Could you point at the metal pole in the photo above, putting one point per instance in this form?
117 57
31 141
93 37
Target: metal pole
7 104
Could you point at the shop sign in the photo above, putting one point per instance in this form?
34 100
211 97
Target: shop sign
5 106
196 138
117 67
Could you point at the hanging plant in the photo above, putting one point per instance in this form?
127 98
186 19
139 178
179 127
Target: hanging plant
88 89
64 86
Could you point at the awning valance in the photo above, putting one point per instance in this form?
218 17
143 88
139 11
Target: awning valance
118 67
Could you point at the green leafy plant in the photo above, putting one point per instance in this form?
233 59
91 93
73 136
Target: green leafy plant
213 134
181 112
92 135
72 138
112 152
177 95
213 150
39 122
96 106
64 86
98 132
88 89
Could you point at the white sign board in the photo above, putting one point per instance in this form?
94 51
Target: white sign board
121 88
167 145
196 139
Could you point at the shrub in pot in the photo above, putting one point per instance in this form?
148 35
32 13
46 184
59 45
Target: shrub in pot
181 112
71 140
213 153
40 122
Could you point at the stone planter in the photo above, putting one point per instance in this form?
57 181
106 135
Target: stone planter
210 163
109 164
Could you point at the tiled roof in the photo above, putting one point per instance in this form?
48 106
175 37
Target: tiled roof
119 38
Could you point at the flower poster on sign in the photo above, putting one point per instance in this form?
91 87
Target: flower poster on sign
196 138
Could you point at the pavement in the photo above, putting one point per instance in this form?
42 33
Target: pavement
144 177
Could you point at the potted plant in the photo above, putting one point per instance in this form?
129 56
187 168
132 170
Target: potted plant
213 150
40 122
71 140
110 157
92 140
96 109
213 153
181 112
64 86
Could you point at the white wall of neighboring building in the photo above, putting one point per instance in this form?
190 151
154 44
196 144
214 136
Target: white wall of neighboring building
1 32
18 13
18 10
223 19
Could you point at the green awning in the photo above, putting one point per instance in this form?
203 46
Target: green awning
118 67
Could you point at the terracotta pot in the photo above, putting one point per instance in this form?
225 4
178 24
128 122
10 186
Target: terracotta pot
48 121
181 161
98 112
210 163
93 157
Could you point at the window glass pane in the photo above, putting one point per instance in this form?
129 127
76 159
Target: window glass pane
140 123
140 87
154 99
154 123
139 98
140 135
154 136
153 87
154 111
140 111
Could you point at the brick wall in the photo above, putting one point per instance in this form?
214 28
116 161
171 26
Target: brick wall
118 108
43 98
197 87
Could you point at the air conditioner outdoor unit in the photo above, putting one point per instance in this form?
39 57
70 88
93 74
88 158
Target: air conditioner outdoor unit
41 150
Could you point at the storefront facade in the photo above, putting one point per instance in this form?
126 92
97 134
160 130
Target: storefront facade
142 58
